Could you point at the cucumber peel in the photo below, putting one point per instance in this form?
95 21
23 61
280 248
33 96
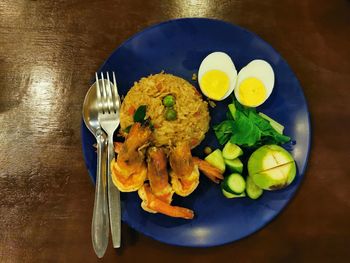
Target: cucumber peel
230 195
234 184
234 165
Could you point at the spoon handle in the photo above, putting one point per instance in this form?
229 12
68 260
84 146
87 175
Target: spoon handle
100 217
113 199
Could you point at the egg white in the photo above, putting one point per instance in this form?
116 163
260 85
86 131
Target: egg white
219 61
259 69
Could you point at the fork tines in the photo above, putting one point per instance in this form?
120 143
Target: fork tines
107 95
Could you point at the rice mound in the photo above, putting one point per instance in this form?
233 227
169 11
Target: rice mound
192 112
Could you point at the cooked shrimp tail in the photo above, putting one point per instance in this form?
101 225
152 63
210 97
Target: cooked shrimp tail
153 204
208 170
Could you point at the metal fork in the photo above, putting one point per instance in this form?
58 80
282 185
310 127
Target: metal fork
109 105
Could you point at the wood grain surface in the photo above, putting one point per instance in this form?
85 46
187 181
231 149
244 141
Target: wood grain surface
49 51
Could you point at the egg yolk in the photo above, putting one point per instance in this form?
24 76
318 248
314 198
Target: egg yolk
252 92
215 84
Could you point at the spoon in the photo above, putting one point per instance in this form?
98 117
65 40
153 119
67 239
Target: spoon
100 217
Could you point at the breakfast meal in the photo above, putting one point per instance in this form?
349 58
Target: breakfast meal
163 117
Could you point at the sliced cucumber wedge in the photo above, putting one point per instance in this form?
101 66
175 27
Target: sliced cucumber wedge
253 191
231 151
234 165
216 159
234 184
230 195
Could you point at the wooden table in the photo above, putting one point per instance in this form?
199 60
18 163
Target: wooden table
49 51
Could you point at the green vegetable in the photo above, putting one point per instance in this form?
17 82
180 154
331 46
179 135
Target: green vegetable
169 101
216 159
234 165
151 126
140 114
223 131
245 132
230 195
253 191
277 126
232 109
127 129
170 114
248 129
234 184
231 151
271 167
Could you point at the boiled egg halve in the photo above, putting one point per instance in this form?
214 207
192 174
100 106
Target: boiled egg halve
217 76
254 83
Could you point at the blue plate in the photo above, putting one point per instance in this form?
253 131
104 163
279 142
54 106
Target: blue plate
178 47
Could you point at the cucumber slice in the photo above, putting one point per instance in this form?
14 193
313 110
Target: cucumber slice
229 195
216 159
253 191
232 109
231 151
234 165
274 124
234 184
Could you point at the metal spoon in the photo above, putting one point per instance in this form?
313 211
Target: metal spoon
100 218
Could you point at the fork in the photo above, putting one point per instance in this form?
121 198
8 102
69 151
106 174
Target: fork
109 105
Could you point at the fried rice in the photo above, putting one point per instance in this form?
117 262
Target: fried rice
192 111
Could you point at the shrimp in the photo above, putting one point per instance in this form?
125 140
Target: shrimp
153 204
208 170
117 147
184 174
158 174
129 170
